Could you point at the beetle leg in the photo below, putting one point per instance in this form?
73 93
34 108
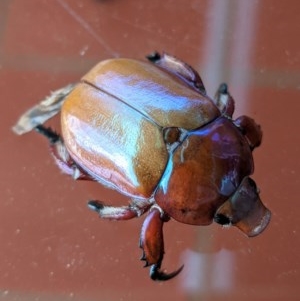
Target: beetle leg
250 129
244 210
61 154
135 209
152 243
40 113
224 101
180 69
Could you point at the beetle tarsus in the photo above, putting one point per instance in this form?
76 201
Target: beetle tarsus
157 275
180 69
51 135
119 213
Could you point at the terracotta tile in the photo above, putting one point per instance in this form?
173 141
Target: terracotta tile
53 247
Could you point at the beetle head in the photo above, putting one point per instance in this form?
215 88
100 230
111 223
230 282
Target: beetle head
244 210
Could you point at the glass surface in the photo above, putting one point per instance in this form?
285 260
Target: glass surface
52 246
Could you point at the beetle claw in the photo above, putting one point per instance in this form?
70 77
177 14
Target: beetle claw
157 275
152 244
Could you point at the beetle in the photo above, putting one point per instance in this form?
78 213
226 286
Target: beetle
149 130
